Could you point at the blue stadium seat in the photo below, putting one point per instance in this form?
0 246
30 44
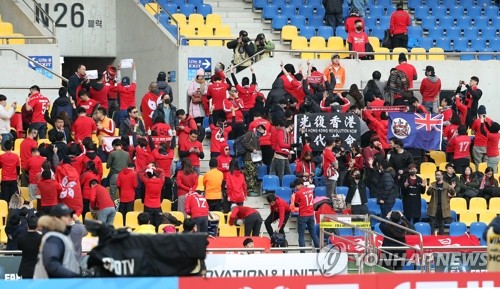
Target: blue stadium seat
316 21
453 33
320 11
439 11
270 183
376 11
314 3
384 22
491 11
259 4
481 22
423 228
415 32
432 3
467 56
458 229
284 193
292 167
261 171
389 10
298 20
489 33
421 12
425 42
446 22
477 229
471 32
195 2
340 32
457 11
423 209
319 181
484 3
474 11
443 43
373 207
429 22
288 10
204 9
341 190
486 56
278 2
358 232
398 205
495 44
306 10
377 229
435 33
178 2
370 22
345 11
278 22
269 11
478 44
460 44
384 3
412 4
187 9
495 22
464 22
344 231
287 180
320 191
170 28
325 31
230 143
378 32
449 3
296 2
144 2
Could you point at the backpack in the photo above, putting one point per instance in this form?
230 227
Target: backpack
278 240
238 147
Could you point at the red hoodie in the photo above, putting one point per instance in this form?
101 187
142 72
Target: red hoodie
127 95
149 103
100 96
35 167
194 157
223 161
127 183
430 88
100 198
281 207
236 187
238 106
142 158
240 213
303 167
84 159
283 142
153 188
85 182
400 20
189 124
49 190
379 126
196 205
247 95
186 183
294 87
218 138
266 138
164 162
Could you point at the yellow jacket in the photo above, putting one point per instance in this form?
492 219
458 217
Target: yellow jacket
212 181
145 229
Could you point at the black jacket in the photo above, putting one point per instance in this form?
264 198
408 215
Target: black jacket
276 93
29 244
52 135
166 88
352 189
159 112
394 233
386 187
62 104
333 6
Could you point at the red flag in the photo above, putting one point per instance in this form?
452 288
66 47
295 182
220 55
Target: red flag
71 194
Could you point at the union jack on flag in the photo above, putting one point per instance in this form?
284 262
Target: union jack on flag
416 130
431 123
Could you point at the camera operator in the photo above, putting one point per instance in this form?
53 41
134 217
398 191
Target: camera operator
472 94
243 49
262 44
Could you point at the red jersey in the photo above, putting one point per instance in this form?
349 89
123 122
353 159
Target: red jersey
83 127
304 167
430 88
100 96
49 191
162 129
85 179
127 182
480 140
164 162
186 183
9 163
400 20
89 105
461 146
142 158
236 187
153 188
127 95
238 106
409 70
283 142
218 138
462 109
25 151
35 167
189 124
40 105
223 161
358 40
447 114
149 103
281 207
196 205
304 197
265 139
217 91
241 213
247 95
449 132
100 198
328 160
194 157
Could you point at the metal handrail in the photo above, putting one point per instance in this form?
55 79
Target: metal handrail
7 38
228 69
35 62
45 14
157 17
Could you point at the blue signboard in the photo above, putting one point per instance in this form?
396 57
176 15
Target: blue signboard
46 61
195 63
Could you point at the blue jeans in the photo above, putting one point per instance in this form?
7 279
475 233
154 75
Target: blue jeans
309 223
6 137
385 209
107 215
121 117
41 127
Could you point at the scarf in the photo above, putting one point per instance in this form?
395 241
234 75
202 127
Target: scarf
80 75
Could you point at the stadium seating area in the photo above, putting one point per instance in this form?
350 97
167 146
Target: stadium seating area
7 29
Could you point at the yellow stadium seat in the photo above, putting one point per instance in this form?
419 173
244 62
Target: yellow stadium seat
166 205
25 193
197 42
43 140
228 231
477 205
152 8
6 28
427 168
436 56
374 41
428 178
487 216
4 212
458 205
223 31
317 43
94 138
18 42
467 217
439 157
396 51
131 220
418 56
299 42
180 217
205 31
196 20
442 166
200 187
34 203
213 20
289 32
117 132
215 43
88 216
118 221
222 217
105 170
180 18
382 56
494 204
241 230
138 206
3 235
187 31
481 167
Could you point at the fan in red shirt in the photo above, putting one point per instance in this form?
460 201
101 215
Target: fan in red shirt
293 83
236 184
153 179
446 110
233 107
304 199
246 91
349 21
149 103
493 135
379 126
185 126
280 210
265 139
224 159
127 182
408 69
358 39
241 215
480 139
91 173
34 167
86 102
164 156
110 81
187 181
99 92
305 167
48 189
71 193
160 128
27 145
330 167
10 165
430 89
192 149
143 156
39 104
126 89
217 91
219 136
197 208
83 126
100 200
461 153
450 132
398 27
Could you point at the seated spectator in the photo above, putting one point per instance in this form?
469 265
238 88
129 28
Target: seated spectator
489 185
189 226
469 182
15 227
145 226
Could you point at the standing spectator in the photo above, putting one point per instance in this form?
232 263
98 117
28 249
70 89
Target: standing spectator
246 93
376 76
166 111
218 137
400 20
472 96
280 164
69 179
356 195
185 126
27 145
233 107
193 150
251 143
493 136
29 244
111 81
163 85
235 184
127 183
145 227
133 124
333 11
59 127
101 201
39 104
212 181
430 89
330 167
394 233
353 17
49 190
261 44
153 179
197 93
197 208
5 115
337 70
117 161
86 102
358 6
480 139
149 103
461 153
280 210
224 159
217 91
399 159
386 195
99 92
304 200
242 49
413 188
265 139
187 181
439 205
397 83
75 80
305 167
34 168
126 91
62 103
91 173
249 217
408 69
10 164
164 156
357 40
84 126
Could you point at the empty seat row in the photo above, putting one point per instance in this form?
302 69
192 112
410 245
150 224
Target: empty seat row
186 9
289 11
471 33
450 3
461 21
194 20
174 2
7 30
260 4
456 11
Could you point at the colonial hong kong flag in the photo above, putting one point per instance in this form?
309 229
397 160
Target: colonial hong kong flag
416 130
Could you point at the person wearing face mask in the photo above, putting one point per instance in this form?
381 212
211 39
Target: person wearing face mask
413 187
167 111
400 159
357 40
219 137
387 188
356 195
197 93
439 205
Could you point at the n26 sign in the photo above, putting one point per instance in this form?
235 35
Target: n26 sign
61 12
